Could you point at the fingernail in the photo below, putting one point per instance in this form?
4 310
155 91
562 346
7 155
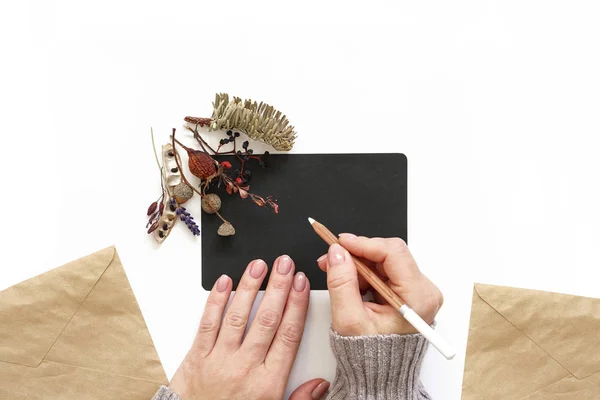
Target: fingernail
299 282
348 236
322 258
336 255
257 269
222 283
320 390
284 265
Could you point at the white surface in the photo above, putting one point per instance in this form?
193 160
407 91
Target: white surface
494 103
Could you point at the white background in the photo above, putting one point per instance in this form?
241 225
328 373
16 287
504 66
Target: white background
494 103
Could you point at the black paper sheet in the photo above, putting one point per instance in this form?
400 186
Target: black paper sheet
360 193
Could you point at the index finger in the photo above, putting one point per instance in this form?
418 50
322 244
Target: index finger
393 253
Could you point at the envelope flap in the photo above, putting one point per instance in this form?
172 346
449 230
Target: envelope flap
108 332
501 362
33 313
567 389
564 326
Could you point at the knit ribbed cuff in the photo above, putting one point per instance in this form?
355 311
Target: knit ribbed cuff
164 393
378 367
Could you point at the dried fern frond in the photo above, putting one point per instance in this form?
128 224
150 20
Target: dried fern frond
260 121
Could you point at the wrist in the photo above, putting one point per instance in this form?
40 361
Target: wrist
376 365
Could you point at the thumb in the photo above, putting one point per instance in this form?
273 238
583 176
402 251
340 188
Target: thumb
311 390
342 282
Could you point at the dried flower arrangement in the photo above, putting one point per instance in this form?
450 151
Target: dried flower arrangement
259 121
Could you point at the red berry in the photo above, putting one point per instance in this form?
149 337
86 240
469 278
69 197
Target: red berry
226 164
239 181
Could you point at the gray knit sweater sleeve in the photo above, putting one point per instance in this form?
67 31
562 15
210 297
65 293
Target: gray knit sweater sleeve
382 367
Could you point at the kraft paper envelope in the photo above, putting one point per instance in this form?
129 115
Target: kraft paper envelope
76 332
532 345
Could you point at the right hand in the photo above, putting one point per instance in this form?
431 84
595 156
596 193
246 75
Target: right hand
393 262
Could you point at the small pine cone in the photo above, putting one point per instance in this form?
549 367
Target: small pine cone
226 229
182 192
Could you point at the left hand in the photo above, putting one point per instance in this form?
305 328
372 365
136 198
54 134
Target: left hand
227 363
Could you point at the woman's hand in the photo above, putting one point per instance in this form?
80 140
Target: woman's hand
393 262
227 363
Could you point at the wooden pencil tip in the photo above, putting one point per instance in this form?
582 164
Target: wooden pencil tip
312 221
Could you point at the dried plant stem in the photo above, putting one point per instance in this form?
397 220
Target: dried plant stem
200 140
160 168
183 175
217 152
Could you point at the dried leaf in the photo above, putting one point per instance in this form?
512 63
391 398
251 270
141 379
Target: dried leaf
243 193
259 201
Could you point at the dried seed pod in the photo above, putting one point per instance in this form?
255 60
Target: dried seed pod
182 192
166 221
199 121
172 172
200 163
152 208
226 229
211 203
153 227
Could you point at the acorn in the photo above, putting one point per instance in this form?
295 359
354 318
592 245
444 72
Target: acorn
211 203
182 192
226 229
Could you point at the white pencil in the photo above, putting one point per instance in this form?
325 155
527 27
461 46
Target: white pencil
371 277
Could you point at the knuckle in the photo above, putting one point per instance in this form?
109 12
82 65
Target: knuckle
245 286
211 301
235 320
398 244
279 284
268 319
297 301
339 282
240 372
291 335
439 297
208 324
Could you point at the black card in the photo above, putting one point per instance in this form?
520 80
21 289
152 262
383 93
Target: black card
360 193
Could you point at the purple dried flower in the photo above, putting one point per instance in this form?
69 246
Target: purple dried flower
188 219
